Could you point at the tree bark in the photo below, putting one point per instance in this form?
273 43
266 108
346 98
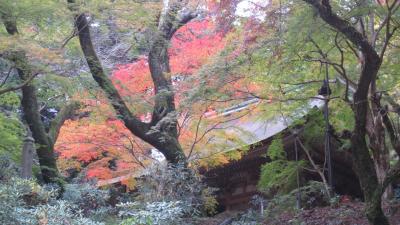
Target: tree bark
161 132
362 161
30 107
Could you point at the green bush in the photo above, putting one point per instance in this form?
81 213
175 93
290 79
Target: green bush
279 175
311 195
86 196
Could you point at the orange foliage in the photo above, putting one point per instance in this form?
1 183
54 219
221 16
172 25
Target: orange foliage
100 142
133 78
191 47
100 145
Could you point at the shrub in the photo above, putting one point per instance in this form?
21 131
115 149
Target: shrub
152 213
60 212
11 134
86 196
176 183
251 217
25 202
8 169
311 196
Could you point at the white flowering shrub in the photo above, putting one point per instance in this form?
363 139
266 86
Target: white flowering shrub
167 194
60 212
152 213
24 202
86 196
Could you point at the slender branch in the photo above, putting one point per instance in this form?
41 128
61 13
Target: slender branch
7 76
25 83
315 166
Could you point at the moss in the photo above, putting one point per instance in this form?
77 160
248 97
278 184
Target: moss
11 136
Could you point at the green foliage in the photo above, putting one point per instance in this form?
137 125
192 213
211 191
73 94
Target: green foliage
251 217
312 195
9 100
276 150
166 195
209 202
341 116
11 136
87 197
279 175
22 203
8 168
314 127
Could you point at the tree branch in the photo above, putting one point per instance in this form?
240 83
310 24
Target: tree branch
65 113
14 88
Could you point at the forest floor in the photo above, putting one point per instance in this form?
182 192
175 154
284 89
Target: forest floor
350 213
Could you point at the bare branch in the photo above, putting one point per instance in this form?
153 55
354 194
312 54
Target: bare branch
7 76
25 83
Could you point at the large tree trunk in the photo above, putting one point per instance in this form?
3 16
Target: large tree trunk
44 141
161 132
44 145
376 134
363 163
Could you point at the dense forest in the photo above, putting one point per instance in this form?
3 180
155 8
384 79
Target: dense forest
203 112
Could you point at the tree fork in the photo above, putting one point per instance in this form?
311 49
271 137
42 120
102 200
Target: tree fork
165 139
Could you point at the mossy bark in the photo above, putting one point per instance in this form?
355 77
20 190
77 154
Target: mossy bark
44 140
44 145
30 106
362 160
161 132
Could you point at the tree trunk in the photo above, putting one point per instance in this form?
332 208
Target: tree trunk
161 132
362 161
44 146
377 141
30 107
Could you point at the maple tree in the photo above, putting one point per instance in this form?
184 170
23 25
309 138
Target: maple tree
102 149
195 43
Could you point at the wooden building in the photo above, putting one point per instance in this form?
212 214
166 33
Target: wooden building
237 180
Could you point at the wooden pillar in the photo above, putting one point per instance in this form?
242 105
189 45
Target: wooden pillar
27 155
